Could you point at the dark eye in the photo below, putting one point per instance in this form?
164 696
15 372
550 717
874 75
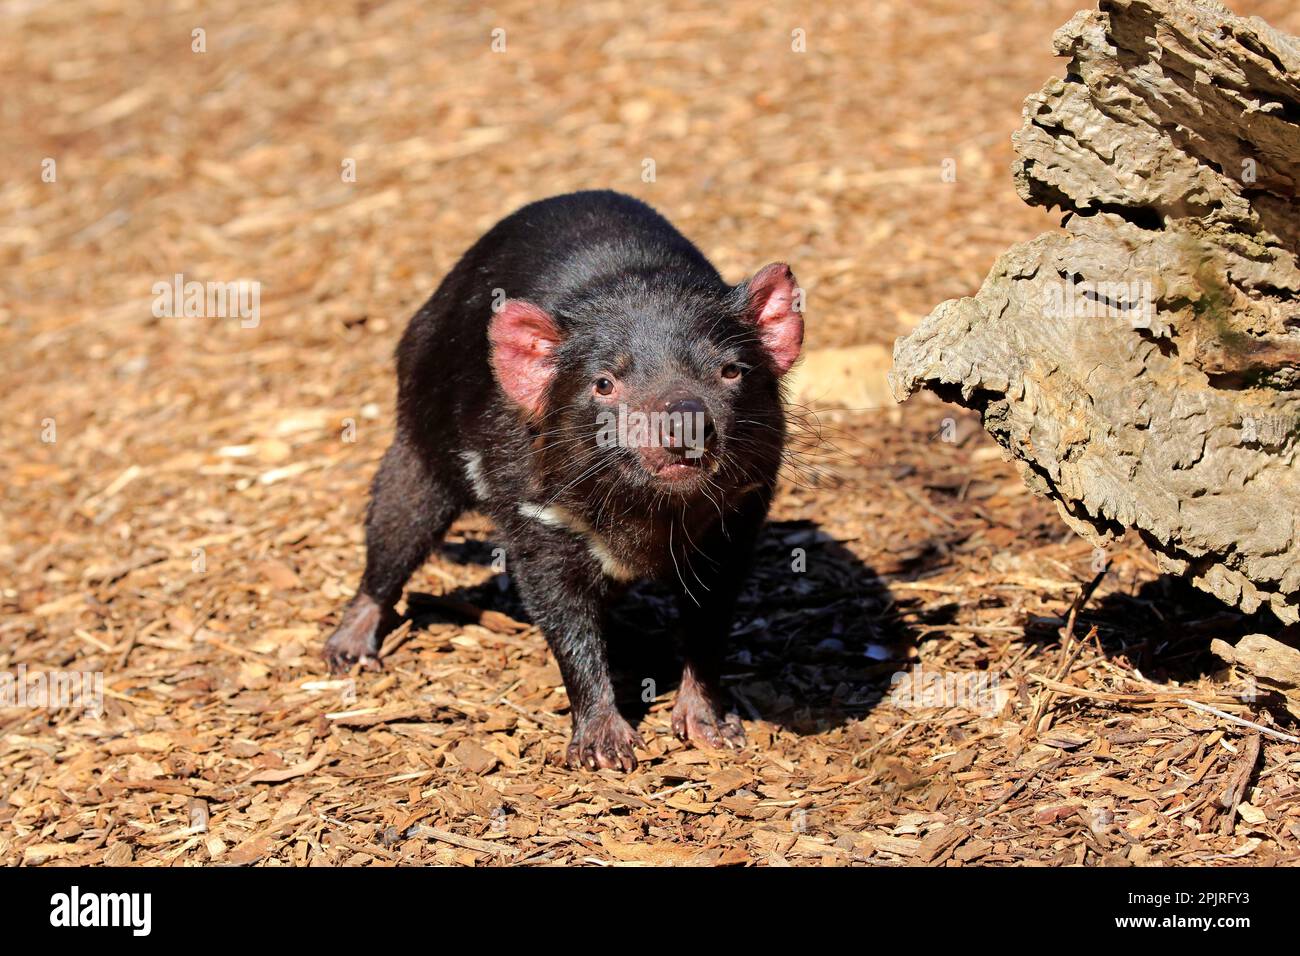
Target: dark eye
731 370
604 386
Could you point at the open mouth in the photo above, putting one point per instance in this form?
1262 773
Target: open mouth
672 466
679 470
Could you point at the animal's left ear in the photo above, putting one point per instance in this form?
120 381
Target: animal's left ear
775 306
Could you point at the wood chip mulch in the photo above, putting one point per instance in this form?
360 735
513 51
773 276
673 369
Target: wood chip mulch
195 528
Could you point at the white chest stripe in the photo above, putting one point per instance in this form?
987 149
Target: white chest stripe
474 472
555 516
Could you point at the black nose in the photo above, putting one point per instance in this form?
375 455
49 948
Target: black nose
689 423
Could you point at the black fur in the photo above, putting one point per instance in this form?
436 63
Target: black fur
629 292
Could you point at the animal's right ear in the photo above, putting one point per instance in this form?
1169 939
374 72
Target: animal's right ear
523 336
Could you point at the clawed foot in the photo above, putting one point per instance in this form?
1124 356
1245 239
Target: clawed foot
697 717
603 741
356 640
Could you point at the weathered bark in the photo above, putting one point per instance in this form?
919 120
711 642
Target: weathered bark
1141 366
1276 666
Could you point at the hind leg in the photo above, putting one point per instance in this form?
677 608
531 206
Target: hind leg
412 503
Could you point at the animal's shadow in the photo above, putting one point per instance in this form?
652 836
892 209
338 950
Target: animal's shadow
815 638
817 634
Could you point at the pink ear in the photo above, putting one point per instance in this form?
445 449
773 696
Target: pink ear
522 337
773 308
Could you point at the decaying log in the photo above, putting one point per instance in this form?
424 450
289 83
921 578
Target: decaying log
1141 366
1276 666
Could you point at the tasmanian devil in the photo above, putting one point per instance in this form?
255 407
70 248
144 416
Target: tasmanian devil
584 376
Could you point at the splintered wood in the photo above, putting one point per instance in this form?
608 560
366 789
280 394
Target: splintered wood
180 513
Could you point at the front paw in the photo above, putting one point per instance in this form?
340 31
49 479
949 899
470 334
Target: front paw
697 718
356 640
603 740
